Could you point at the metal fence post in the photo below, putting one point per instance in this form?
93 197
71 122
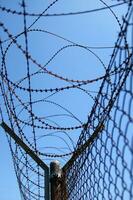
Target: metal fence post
55 180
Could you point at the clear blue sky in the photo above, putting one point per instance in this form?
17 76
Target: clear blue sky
90 29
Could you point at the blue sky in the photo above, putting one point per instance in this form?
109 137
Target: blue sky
91 30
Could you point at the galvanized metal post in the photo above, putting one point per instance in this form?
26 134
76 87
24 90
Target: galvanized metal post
55 180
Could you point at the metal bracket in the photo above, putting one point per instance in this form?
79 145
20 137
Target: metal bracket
31 153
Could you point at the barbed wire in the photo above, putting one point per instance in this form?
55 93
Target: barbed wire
39 104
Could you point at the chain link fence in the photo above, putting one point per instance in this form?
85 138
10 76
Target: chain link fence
97 162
